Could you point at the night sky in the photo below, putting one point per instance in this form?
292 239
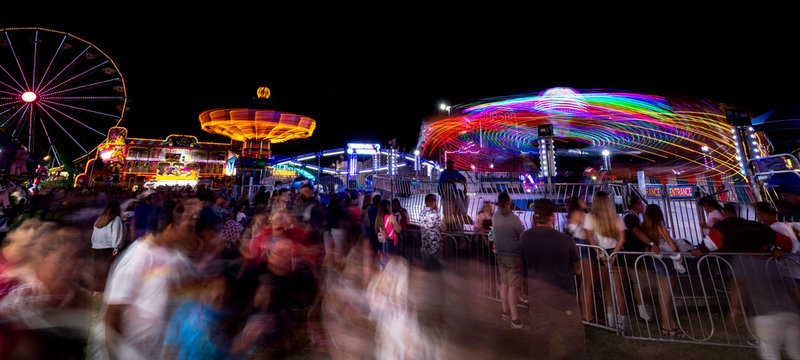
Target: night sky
375 77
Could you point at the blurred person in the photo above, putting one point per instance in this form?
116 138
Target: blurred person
198 327
483 221
772 301
737 235
309 209
431 227
452 198
16 254
507 228
576 214
553 262
768 215
141 214
653 227
369 222
136 304
741 235
46 314
387 225
636 240
729 210
336 226
398 334
241 215
346 308
713 212
605 229
108 236
231 232
401 215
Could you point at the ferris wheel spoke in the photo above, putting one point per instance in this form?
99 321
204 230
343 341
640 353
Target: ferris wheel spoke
55 54
82 87
71 118
61 127
50 90
30 130
14 115
82 98
20 121
79 109
14 52
66 67
49 140
19 86
10 87
35 57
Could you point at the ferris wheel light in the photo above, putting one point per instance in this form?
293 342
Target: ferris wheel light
29 96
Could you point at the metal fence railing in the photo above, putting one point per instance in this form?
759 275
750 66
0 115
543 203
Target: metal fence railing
461 203
673 297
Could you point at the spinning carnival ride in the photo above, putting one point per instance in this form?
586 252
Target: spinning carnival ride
662 136
257 129
59 94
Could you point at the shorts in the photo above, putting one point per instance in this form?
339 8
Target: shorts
510 270
664 267
584 251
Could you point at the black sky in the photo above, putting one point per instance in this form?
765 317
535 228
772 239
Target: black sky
374 74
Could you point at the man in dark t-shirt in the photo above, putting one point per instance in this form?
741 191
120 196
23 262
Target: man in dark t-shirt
552 261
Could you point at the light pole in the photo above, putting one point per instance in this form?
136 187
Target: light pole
607 160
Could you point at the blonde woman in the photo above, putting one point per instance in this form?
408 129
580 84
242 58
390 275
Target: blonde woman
604 228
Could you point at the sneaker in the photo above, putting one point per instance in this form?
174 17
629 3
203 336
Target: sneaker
506 316
517 324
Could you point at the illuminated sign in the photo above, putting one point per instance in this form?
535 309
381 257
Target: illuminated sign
284 172
653 192
363 149
680 191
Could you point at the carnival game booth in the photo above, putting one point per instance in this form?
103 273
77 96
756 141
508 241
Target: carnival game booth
178 160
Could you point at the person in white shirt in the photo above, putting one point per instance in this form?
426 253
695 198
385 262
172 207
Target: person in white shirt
769 216
108 235
713 212
140 286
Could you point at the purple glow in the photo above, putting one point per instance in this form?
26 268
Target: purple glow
24 78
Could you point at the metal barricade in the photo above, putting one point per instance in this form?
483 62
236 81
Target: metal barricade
642 295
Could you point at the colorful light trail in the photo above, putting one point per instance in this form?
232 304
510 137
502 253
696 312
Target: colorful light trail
654 133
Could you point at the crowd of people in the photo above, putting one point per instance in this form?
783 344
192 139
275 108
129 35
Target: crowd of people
186 273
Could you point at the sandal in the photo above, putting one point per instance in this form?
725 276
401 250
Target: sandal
672 332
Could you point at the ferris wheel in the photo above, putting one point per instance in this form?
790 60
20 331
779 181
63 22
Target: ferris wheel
59 94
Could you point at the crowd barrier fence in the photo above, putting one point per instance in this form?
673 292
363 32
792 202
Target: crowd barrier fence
700 300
